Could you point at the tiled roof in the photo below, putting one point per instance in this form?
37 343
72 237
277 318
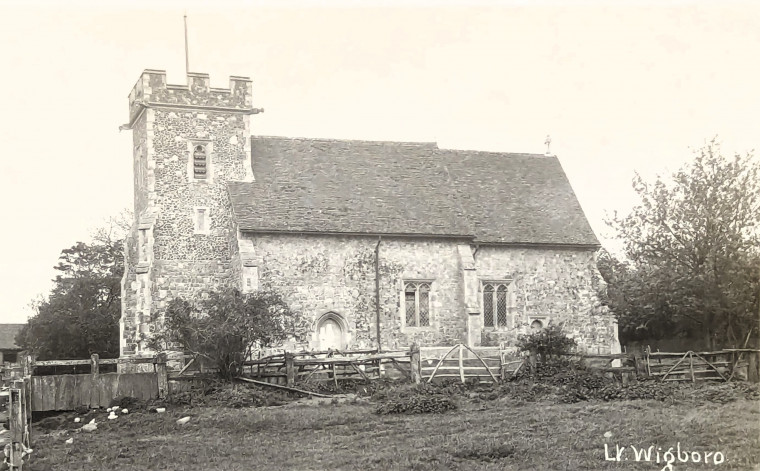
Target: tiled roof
336 186
8 336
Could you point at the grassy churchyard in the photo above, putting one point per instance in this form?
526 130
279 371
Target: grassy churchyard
496 432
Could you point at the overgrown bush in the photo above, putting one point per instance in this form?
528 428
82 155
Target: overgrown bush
226 325
417 404
642 390
229 395
547 343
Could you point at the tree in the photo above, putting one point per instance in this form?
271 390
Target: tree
81 314
692 257
225 326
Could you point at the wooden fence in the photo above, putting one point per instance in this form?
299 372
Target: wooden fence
94 389
292 368
466 364
460 362
722 365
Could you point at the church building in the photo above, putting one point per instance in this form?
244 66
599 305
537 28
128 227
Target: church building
378 244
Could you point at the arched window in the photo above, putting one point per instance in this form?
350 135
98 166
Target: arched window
417 304
495 312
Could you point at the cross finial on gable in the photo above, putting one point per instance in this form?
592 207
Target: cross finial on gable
548 143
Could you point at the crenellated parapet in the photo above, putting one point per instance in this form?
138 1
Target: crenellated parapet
151 89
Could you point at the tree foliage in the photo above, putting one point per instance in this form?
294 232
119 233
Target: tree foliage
81 314
226 326
692 263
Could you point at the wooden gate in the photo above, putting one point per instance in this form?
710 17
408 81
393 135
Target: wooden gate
479 364
722 365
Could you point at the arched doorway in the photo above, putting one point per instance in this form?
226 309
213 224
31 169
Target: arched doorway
331 332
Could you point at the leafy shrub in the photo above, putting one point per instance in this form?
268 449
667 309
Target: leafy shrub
527 391
229 395
548 342
417 404
642 390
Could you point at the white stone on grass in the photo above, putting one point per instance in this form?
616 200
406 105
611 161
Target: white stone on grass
90 427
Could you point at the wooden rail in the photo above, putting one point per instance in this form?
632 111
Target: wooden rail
723 365
291 368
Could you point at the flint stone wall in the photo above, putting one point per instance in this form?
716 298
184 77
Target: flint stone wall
320 274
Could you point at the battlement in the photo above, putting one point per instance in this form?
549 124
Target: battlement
151 89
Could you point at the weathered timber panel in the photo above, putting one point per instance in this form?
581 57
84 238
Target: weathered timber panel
143 386
66 392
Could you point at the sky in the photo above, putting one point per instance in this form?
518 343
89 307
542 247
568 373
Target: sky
620 87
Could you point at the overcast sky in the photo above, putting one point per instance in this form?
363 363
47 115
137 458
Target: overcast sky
624 88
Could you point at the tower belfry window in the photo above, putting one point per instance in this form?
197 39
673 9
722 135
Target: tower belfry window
200 162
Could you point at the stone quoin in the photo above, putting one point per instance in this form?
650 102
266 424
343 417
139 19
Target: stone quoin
458 246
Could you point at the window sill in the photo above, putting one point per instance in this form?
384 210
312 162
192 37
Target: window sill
142 267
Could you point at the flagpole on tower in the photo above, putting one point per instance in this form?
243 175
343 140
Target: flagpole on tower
187 56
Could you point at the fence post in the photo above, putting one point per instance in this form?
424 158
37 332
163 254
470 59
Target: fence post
161 374
414 363
290 371
461 363
16 412
753 367
532 362
28 366
691 368
640 365
95 371
19 421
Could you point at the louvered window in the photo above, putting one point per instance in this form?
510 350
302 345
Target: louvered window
200 162
495 305
417 304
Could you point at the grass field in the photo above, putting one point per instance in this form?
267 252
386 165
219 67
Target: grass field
483 435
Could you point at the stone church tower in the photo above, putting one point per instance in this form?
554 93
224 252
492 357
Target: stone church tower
189 141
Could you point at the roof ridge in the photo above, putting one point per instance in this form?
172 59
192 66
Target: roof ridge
494 152
335 140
